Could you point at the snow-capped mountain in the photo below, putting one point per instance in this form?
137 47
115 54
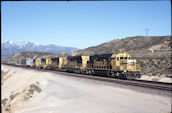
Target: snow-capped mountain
10 48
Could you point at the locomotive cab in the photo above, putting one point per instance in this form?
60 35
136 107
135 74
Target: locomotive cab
123 64
119 61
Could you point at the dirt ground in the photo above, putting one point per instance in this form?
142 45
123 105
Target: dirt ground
30 91
156 78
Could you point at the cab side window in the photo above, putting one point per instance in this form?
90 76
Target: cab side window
117 58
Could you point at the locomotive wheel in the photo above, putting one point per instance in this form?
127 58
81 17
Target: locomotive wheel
117 75
112 75
75 71
125 76
108 73
79 71
92 72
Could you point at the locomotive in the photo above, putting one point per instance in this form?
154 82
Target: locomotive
119 65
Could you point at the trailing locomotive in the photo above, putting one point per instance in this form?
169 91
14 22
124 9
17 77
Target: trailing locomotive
119 65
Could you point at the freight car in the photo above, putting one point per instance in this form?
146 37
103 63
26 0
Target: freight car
12 61
22 62
29 62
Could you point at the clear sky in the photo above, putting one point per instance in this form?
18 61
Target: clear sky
82 24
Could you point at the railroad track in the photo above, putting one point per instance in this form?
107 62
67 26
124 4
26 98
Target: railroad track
138 83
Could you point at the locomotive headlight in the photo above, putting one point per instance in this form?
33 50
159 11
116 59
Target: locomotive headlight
125 71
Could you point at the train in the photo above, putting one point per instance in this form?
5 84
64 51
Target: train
119 65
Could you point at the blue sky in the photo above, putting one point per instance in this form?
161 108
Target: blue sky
82 24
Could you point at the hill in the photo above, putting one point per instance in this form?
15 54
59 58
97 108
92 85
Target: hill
35 55
153 53
138 45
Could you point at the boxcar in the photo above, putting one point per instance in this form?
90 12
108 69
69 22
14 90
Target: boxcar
29 62
22 62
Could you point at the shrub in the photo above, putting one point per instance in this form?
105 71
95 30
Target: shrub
4 101
6 109
33 88
13 96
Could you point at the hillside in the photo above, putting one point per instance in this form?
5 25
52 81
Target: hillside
129 44
35 55
153 53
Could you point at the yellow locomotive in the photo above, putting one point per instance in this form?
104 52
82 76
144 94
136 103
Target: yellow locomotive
71 64
113 65
53 63
119 65
38 63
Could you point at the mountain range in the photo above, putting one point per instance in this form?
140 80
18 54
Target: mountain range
10 48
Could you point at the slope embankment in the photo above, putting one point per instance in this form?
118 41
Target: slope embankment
18 87
32 91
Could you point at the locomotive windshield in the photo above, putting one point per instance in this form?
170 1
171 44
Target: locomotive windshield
131 63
